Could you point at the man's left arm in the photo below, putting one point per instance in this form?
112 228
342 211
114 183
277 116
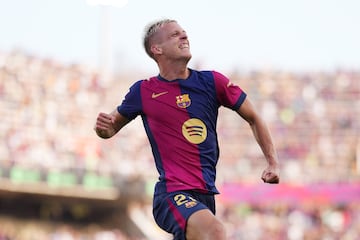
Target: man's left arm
263 138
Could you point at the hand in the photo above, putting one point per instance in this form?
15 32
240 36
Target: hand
104 125
271 175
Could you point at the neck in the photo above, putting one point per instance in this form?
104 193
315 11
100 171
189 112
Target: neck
174 71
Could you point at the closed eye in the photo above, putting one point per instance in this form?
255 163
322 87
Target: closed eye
177 33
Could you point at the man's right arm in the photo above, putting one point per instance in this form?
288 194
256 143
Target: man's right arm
107 125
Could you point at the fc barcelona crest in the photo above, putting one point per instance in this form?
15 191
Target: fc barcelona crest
183 101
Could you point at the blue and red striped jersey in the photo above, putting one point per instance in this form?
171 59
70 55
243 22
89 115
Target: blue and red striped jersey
180 118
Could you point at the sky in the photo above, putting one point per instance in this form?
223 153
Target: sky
224 35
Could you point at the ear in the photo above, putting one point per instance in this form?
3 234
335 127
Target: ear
156 49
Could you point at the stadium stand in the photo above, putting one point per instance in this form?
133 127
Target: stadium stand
50 159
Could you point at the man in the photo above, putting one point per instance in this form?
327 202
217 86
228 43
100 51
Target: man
179 109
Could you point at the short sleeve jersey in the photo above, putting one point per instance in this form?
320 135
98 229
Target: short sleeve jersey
180 119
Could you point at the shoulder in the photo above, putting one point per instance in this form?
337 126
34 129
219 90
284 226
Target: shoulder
219 76
137 84
146 81
210 73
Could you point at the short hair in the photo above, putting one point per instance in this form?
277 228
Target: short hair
150 30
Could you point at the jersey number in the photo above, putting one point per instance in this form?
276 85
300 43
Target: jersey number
181 199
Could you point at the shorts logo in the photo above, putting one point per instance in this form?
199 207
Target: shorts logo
190 204
183 101
194 130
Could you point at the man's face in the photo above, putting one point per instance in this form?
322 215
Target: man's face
173 43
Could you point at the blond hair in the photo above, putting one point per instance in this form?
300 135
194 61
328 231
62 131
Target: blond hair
150 30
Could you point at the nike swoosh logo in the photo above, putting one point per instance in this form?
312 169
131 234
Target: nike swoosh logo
229 84
155 95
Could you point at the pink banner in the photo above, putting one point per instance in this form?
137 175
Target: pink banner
291 194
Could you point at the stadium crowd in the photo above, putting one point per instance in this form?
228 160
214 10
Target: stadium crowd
48 110
281 221
20 229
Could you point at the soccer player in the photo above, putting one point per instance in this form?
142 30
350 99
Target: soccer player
179 109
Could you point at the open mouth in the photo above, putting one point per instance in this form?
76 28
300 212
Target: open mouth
184 45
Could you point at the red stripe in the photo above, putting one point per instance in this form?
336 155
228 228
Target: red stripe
177 215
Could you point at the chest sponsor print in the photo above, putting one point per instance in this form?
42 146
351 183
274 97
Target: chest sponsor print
194 130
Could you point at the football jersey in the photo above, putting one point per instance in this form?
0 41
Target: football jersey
180 118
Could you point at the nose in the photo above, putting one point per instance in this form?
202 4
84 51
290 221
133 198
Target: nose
184 35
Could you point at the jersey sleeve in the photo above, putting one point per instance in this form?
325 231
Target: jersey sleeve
131 106
228 94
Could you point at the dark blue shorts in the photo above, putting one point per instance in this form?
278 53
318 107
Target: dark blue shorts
172 210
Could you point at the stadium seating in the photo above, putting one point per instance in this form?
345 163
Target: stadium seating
48 110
